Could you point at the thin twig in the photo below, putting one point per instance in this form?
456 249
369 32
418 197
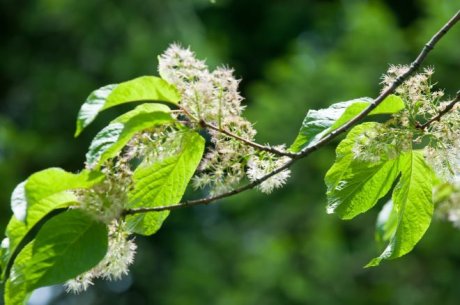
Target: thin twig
258 146
441 113
309 149
248 142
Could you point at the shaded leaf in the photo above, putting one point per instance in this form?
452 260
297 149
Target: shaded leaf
67 245
16 287
45 191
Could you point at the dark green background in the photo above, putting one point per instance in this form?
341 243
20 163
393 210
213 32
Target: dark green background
291 56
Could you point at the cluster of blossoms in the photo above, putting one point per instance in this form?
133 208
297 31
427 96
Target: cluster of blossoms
154 145
381 143
210 97
213 97
443 153
265 163
440 139
120 255
105 201
404 130
417 92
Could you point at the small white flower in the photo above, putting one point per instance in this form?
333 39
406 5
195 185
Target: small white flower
259 167
80 283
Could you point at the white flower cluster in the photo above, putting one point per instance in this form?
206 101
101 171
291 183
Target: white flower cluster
106 200
416 92
442 136
263 164
443 153
213 97
404 130
155 145
382 143
120 255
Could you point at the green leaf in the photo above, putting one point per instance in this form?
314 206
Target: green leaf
163 183
44 192
392 104
17 230
15 287
54 180
67 245
110 140
145 88
318 123
413 204
355 186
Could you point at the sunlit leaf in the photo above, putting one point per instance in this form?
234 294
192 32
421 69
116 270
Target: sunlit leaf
318 123
145 88
413 204
110 140
354 186
164 183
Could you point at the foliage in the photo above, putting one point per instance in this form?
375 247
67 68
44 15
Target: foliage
113 142
139 166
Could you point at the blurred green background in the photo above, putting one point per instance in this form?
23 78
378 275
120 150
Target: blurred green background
292 55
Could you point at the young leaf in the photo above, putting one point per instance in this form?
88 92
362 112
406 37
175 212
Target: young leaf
355 186
413 204
110 140
66 246
318 123
164 183
145 88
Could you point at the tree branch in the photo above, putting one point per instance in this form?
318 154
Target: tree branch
441 113
328 138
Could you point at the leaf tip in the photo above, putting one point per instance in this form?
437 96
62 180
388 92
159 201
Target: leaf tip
78 129
373 263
